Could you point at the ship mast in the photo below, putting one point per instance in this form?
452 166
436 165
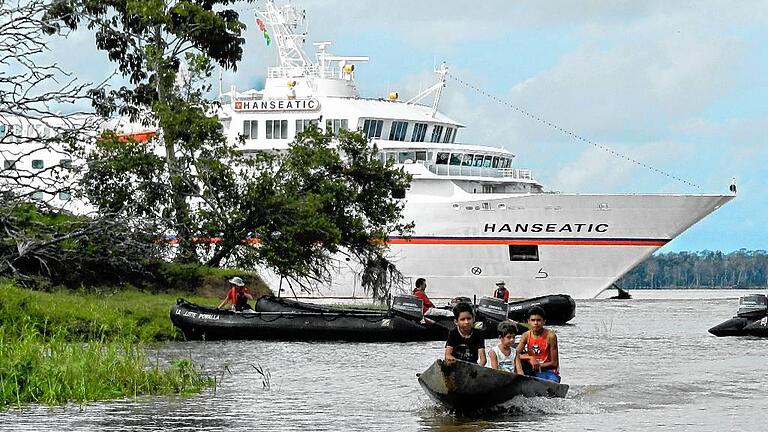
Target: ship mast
437 89
284 21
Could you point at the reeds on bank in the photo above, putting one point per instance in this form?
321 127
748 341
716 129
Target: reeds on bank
59 348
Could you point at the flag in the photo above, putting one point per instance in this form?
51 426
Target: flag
261 25
267 38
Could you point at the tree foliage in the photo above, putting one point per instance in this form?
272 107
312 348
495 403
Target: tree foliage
325 198
296 212
148 40
32 92
705 269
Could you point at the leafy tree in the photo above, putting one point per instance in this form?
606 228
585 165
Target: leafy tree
147 40
325 198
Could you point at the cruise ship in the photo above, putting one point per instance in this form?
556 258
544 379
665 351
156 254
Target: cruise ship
479 218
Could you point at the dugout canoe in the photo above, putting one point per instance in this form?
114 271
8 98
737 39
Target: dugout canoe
464 387
205 323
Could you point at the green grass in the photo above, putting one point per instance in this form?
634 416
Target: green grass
127 315
64 346
52 370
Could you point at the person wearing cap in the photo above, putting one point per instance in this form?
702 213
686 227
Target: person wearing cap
238 295
501 291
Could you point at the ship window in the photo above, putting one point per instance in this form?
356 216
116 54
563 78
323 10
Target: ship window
419 132
478 160
468 160
38 164
9 164
495 163
448 135
442 158
65 163
523 252
437 132
392 156
407 157
335 125
398 130
487 161
372 128
303 124
456 158
3 130
250 129
421 156
277 129
37 196
65 195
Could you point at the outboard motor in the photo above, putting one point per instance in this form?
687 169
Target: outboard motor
753 306
494 308
408 306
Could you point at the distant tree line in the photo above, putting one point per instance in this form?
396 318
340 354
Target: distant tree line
704 269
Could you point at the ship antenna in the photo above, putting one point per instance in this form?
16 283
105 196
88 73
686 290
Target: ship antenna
437 89
221 78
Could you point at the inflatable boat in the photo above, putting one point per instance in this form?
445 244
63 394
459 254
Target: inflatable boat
401 323
464 387
290 320
560 308
489 312
751 318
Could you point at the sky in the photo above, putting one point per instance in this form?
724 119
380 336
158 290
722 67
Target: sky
680 86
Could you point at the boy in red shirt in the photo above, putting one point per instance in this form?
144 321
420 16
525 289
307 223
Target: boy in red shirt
537 353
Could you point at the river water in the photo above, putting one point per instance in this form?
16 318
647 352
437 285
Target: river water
633 365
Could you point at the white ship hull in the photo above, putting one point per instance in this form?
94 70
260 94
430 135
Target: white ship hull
584 242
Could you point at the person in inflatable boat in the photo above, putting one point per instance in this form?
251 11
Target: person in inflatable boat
238 294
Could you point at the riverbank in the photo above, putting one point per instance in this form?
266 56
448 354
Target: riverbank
89 345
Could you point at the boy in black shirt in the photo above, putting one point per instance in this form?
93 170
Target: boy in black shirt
463 342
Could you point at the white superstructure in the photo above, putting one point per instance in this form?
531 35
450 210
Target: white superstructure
478 218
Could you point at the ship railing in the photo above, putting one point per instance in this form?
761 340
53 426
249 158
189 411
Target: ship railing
299 71
472 171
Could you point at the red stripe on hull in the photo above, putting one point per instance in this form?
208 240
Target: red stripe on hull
559 242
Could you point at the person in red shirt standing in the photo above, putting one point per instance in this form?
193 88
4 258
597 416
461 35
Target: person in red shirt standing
238 295
421 285
501 291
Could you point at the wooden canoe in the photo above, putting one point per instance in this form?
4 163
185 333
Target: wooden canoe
465 387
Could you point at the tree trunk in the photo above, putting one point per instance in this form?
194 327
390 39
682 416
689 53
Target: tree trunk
181 220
